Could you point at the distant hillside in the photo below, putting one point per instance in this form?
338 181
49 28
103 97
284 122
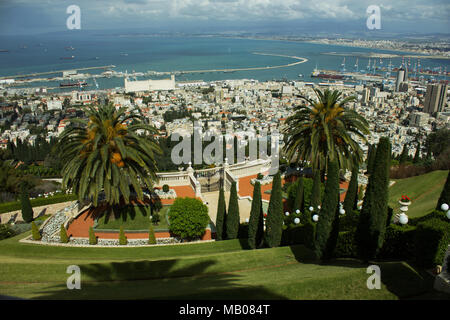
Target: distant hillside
423 190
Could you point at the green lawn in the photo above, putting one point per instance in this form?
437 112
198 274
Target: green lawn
424 191
132 218
215 270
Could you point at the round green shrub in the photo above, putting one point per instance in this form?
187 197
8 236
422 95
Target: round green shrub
151 235
188 218
35 232
6 231
259 176
156 218
165 188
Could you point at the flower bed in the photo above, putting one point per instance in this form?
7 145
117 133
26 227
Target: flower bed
171 194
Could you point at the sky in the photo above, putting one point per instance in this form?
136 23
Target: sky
202 16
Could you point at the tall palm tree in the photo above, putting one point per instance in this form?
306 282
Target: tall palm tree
324 130
107 153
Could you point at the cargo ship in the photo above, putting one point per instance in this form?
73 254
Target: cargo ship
73 84
326 75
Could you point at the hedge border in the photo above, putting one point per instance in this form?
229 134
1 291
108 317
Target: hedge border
14 206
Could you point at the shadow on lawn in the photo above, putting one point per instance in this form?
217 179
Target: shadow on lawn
398 277
161 279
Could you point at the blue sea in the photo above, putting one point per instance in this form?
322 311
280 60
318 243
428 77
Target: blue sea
170 53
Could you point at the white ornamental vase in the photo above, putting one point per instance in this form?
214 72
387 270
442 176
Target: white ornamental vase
404 205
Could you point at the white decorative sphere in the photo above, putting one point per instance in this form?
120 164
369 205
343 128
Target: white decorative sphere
444 207
403 219
246 220
286 214
341 211
318 207
315 217
297 211
448 214
296 220
311 209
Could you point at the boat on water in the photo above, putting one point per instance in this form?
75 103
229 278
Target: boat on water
69 48
326 75
300 75
67 58
4 50
73 84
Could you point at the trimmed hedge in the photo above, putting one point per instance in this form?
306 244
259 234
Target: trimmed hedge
299 234
432 238
6 231
346 246
399 242
14 206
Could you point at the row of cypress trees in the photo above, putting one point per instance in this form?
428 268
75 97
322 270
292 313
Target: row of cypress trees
227 225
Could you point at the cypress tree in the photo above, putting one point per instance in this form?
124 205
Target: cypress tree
299 196
92 237
27 209
327 212
351 198
220 217
63 234
315 193
122 238
445 194
372 223
151 234
417 154
35 232
404 155
371 158
256 221
274 221
232 220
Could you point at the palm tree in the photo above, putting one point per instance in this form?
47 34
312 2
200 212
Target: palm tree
325 131
107 153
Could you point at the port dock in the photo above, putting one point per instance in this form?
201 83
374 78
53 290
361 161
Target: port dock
37 74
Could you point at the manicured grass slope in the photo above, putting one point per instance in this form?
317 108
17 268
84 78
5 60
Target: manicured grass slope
217 270
424 191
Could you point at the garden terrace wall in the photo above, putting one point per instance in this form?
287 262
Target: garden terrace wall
140 234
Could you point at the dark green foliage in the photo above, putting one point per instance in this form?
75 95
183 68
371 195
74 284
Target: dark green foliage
151 235
404 155
431 241
220 217
445 194
417 154
27 210
165 188
389 216
371 158
92 237
300 234
373 217
232 219
322 246
6 231
243 231
334 234
256 221
274 220
155 218
299 202
351 197
398 243
188 218
123 241
438 214
346 246
259 176
63 235
315 194
349 221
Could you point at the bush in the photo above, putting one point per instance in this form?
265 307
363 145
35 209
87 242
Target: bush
299 234
398 242
436 214
123 241
346 246
243 231
165 188
233 217
6 231
63 235
349 220
151 235
35 232
431 241
188 218
156 218
259 176
92 237
27 210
